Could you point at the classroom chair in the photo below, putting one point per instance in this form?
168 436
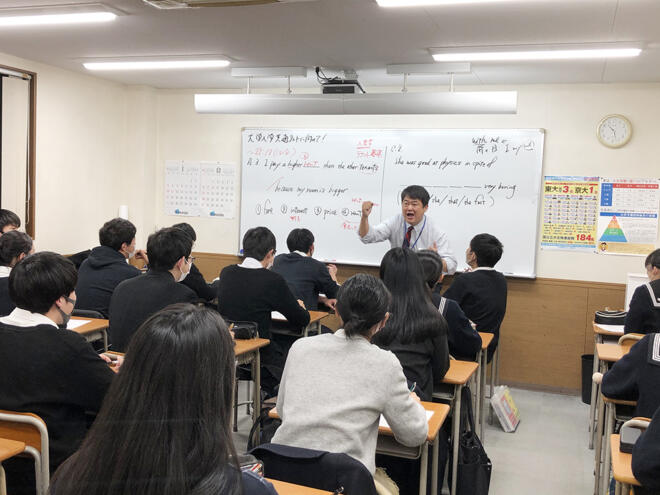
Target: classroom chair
315 468
630 339
31 430
87 313
8 449
621 462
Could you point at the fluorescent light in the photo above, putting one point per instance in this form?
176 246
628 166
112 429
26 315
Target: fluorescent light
156 64
50 19
464 102
538 54
269 72
430 3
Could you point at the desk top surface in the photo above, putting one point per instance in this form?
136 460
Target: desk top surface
314 316
10 448
486 339
611 352
94 325
621 463
284 488
244 346
459 372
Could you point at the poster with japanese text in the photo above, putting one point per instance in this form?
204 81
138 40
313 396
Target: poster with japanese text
570 212
628 219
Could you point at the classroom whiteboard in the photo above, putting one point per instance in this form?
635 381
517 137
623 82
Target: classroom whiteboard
480 180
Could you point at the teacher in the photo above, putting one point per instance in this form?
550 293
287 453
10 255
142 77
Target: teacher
409 229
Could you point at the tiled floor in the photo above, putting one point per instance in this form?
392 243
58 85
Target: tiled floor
547 454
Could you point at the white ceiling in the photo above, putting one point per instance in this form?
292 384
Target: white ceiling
349 33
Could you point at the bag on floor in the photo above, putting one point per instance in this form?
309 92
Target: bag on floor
265 425
505 409
474 466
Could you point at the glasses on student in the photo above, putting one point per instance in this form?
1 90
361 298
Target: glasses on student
190 259
69 300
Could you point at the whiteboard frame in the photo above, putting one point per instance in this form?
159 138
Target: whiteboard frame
539 205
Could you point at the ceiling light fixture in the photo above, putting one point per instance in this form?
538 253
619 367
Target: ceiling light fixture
537 52
431 3
468 102
156 64
52 19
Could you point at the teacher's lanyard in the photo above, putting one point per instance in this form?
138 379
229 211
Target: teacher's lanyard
418 235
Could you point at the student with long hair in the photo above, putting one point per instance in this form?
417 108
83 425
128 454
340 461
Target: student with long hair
416 332
335 386
164 428
14 246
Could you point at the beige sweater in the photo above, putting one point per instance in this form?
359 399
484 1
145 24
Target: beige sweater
334 390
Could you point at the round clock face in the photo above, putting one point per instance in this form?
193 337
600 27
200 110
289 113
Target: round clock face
614 131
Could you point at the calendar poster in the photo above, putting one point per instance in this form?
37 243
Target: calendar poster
217 189
570 213
628 220
182 188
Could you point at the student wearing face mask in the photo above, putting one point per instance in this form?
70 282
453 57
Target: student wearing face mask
410 229
136 299
44 369
106 265
250 292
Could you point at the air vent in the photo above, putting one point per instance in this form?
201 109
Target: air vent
191 4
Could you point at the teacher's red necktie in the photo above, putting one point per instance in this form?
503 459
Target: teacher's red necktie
406 239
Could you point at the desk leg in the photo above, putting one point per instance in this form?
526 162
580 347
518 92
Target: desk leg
104 332
434 473
455 433
3 483
482 398
594 392
492 385
617 488
256 373
609 428
599 441
477 401
423 468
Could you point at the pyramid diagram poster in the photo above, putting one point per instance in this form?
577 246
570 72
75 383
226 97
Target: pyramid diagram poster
628 218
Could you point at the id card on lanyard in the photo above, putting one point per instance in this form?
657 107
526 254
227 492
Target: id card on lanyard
418 236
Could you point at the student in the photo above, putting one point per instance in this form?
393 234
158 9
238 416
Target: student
646 457
464 341
250 292
416 332
135 299
165 426
306 276
14 246
636 376
195 279
106 265
644 312
481 292
410 229
8 221
336 386
44 369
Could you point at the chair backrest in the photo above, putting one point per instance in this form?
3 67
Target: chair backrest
630 339
31 430
87 313
315 468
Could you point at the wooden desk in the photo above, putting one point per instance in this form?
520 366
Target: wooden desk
388 445
284 488
96 329
314 324
458 375
247 352
8 449
482 359
621 465
611 353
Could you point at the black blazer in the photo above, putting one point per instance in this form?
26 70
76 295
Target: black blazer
55 374
306 277
195 281
98 276
646 455
136 299
6 304
644 313
464 341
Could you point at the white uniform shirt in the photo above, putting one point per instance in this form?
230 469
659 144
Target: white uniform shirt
424 234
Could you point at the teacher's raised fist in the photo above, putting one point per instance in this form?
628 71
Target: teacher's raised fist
366 208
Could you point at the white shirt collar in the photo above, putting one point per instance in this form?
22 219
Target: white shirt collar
301 253
4 271
489 268
24 318
251 263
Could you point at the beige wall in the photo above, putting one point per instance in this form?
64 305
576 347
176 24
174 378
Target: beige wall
568 113
102 144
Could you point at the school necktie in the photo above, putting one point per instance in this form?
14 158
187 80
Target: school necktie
406 239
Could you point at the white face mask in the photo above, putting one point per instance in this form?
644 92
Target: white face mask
183 275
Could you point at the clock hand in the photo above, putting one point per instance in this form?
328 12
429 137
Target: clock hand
613 130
